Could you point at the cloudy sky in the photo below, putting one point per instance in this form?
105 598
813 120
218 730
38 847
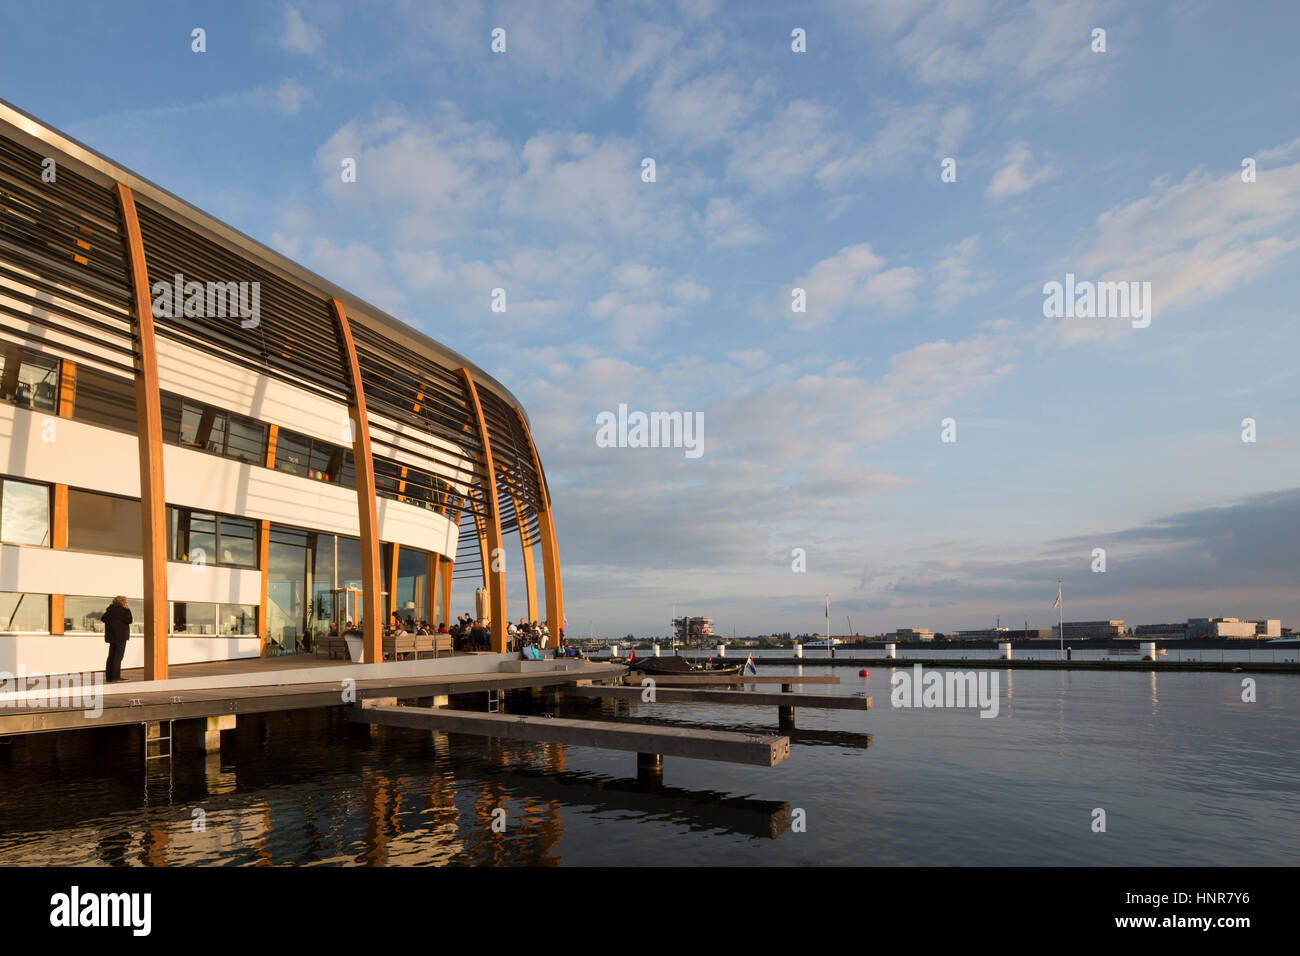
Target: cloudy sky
778 170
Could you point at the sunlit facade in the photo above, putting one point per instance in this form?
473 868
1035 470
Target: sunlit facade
252 454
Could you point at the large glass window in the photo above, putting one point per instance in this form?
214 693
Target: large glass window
210 429
292 453
200 536
21 613
410 597
28 379
194 619
238 619
300 572
24 512
104 400
103 523
81 615
312 458
237 541
246 440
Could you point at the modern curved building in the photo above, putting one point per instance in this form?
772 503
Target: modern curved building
250 453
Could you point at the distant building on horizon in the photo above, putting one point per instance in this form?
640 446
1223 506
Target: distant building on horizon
1200 627
1090 630
1203 627
914 634
1005 634
1167 632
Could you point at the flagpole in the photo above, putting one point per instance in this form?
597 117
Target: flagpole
830 646
1060 617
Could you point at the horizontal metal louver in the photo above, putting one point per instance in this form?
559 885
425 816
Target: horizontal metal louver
63 279
295 337
419 415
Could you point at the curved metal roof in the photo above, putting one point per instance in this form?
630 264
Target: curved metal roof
99 167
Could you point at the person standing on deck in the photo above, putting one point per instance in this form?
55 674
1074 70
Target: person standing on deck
117 631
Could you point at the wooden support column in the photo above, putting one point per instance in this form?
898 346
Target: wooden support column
367 512
148 412
492 520
59 505
264 549
446 591
67 387
58 541
546 532
530 582
392 582
484 549
431 588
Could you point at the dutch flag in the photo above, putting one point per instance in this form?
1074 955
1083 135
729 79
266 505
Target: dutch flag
749 666
1058 596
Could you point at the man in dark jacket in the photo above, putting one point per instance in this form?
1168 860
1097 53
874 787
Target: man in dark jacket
117 630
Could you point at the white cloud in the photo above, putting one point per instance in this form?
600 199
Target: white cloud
728 223
291 96
955 273
1018 173
1193 240
853 281
299 36
1039 48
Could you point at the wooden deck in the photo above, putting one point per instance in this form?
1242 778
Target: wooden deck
136 703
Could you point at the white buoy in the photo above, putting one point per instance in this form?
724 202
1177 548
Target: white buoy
656 649
613 651
891 650
722 650
1148 650
798 650
1005 650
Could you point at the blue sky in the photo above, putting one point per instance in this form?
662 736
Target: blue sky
774 170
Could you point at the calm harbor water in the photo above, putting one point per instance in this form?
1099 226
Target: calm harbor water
1186 772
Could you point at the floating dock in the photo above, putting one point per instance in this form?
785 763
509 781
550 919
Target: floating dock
654 743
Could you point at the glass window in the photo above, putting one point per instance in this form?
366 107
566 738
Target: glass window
292 453
24 513
212 425
411 599
203 427
33 383
237 544
24 612
238 619
103 523
81 615
246 440
323 462
104 400
348 475
190 618
197 535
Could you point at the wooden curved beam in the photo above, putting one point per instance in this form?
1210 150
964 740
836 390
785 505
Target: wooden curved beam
148 413
546 532
526 546
496 579
367 512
